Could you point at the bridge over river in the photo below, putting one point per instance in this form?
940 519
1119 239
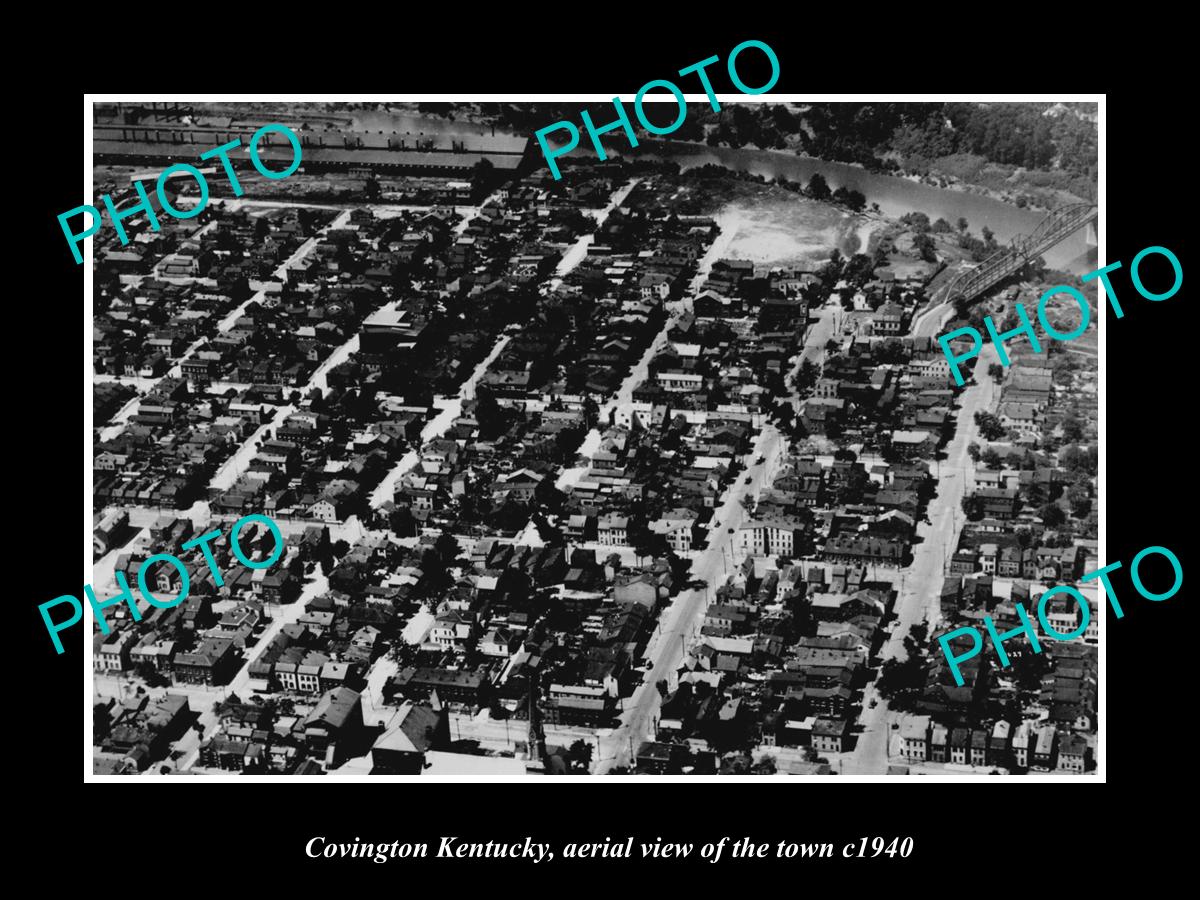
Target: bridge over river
969 283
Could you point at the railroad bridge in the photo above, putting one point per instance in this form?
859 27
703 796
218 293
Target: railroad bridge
1020 251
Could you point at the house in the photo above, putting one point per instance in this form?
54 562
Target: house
1072 753
1044 748
654 285
640 588
335 718
914 737
989 555
998 744
1013 561
659 759
888 320
407 736
581 528
112 653
829 735
723 620
979 746
450 685
997 503
578 704
499 643
964 562
213 662
878 550
1020 745
960 740
678 527
453 629
939 744
612 530
771 536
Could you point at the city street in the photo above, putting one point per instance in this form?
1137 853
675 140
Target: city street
919 597
448 411
680 622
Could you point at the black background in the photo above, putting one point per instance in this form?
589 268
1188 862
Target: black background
962 831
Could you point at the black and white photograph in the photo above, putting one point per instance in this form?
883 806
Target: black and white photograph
471 440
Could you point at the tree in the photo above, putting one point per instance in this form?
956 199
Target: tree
1075 459
1028 669
925 247
917 221
989 426
851 198
962 224
973 451
818 187
402 522
973 507
488 414
898 678
941 226
446 546
1072 429
1080 499
996 371
580 755
765 766
784 413
1052 515
859 268
991 458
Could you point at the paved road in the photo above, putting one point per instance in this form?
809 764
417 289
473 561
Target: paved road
577 252
921 585
814 347
448 410
681 620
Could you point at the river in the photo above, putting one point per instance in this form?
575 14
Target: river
896 196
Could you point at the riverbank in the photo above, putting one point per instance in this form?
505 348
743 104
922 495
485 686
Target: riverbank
1022 195
946 173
